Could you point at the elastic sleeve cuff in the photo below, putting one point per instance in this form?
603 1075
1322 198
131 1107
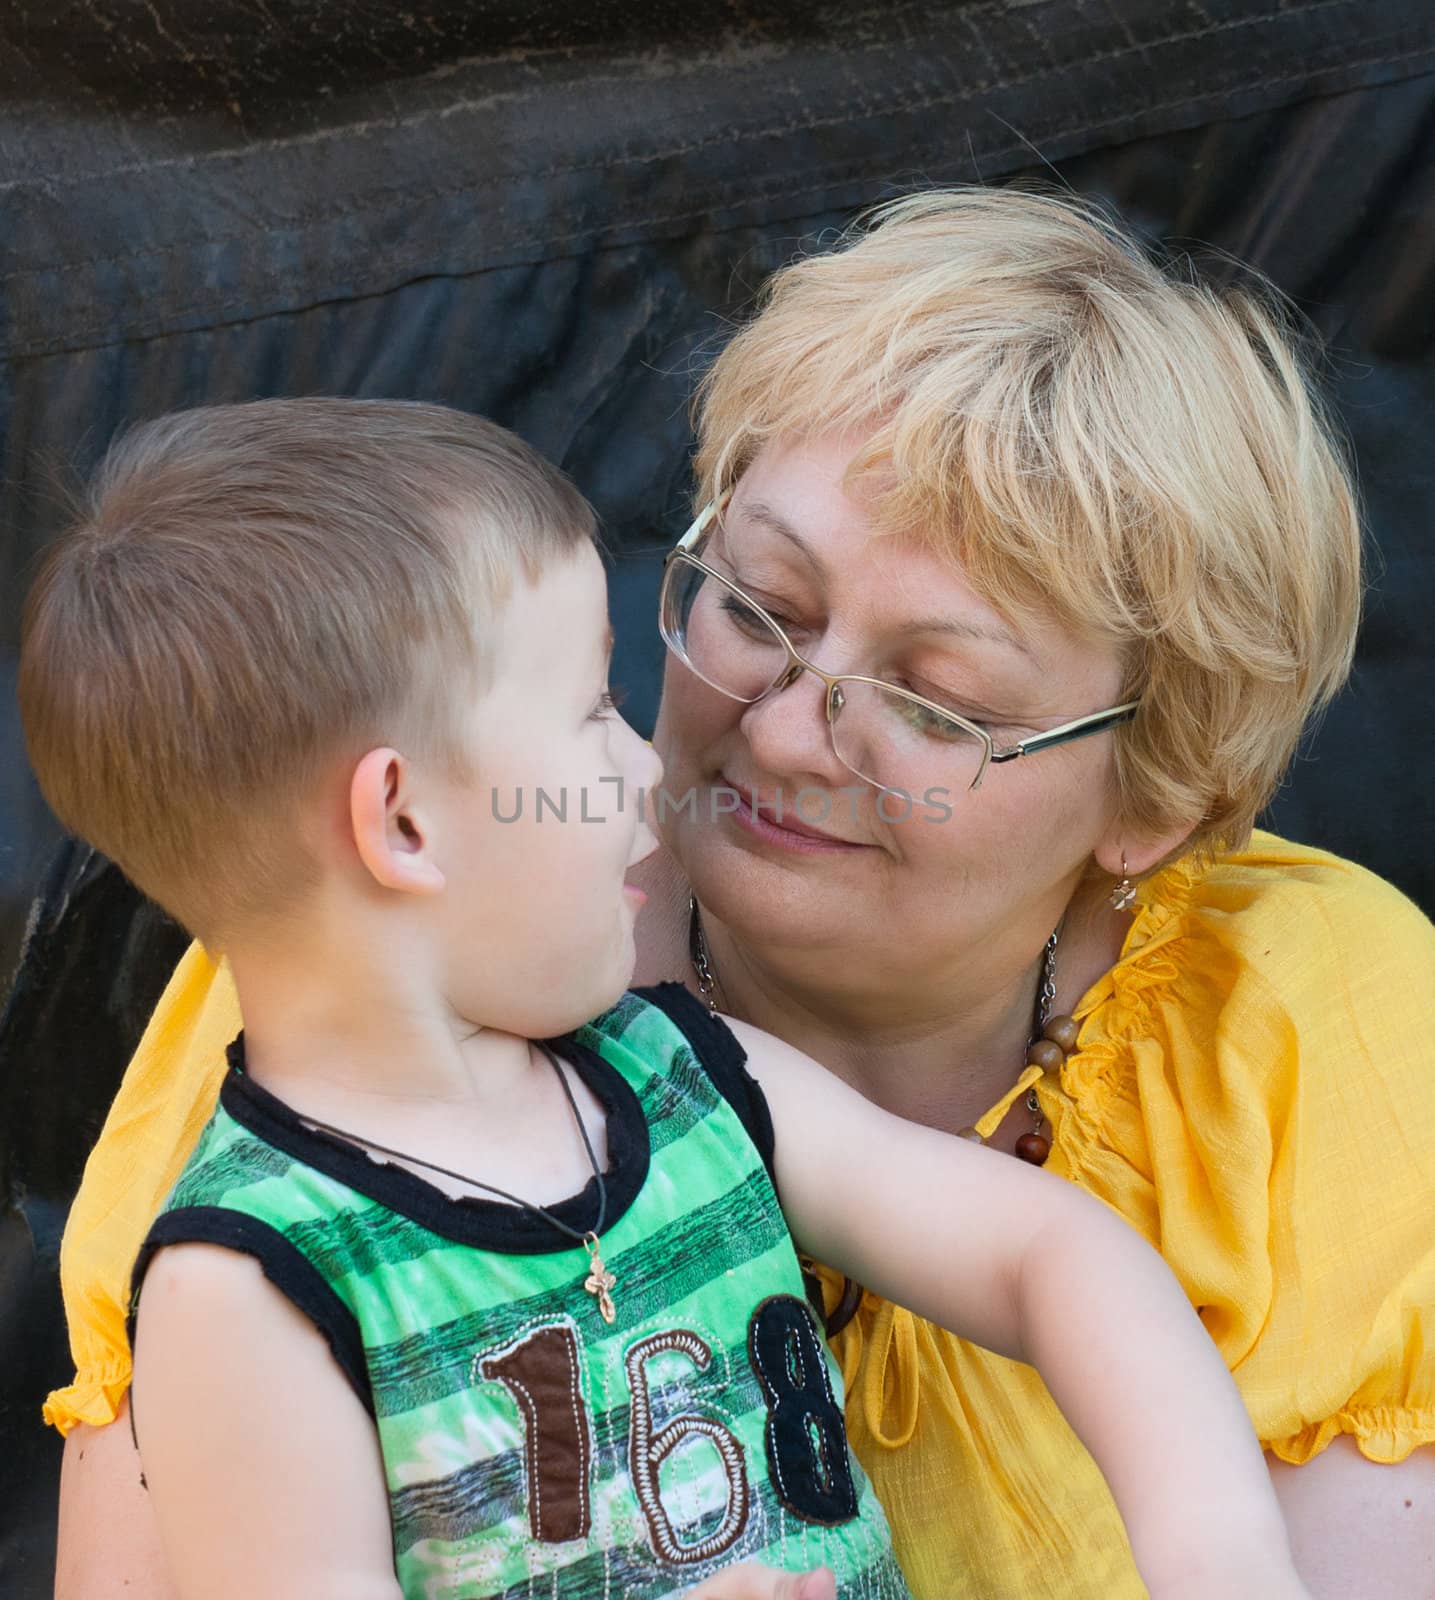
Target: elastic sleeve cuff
94 1398
1386 1434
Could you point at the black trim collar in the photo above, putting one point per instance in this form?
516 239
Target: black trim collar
292 1273
486 1224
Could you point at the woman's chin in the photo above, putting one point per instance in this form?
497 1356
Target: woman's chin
767 896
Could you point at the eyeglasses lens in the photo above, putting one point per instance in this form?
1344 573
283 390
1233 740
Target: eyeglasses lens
878 733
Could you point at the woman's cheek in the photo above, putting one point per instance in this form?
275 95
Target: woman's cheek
689 716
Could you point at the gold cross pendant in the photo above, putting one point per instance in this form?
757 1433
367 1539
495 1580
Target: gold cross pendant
599 1280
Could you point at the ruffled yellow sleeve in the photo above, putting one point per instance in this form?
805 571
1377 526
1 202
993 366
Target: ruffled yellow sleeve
1255 1089
167 1096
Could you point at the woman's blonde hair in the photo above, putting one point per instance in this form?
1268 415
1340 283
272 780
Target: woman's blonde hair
1092 435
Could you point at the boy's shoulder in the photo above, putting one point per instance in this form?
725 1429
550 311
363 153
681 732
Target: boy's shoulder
664 1025
671 1049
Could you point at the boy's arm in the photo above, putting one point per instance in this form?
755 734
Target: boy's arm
263 1466
1029 1266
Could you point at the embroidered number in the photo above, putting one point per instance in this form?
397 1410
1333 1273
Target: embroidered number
806 1445
649 1447
806 1442
540 1371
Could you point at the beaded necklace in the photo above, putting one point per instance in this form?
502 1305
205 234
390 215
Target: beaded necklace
1052 1040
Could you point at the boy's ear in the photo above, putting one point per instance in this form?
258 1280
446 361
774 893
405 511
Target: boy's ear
390 832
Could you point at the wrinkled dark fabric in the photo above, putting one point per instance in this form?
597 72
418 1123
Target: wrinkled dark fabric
272 180
552 218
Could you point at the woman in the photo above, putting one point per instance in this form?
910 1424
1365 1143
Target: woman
981 476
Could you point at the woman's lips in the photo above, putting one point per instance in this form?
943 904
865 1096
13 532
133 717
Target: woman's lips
792 833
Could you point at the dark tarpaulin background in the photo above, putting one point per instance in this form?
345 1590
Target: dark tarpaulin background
550 218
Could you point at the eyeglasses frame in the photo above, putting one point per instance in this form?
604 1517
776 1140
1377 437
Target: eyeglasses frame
797 664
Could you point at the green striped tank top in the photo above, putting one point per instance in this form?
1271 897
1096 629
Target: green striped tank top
529 1447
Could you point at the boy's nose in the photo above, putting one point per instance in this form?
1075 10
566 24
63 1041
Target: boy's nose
654 767
644 764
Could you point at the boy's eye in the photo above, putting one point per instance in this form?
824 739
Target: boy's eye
608 702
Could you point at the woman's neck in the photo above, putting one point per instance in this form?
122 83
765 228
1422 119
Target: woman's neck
940 1048
930 1053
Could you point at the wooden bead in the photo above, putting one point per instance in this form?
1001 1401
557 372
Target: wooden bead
971 1135
1033 1149
1046 1055
1062 1031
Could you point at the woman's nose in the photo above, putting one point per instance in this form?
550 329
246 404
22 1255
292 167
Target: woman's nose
788 735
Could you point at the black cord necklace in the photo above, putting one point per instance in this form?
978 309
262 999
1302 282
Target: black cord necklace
599 1282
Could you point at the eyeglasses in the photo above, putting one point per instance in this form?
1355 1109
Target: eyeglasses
888 737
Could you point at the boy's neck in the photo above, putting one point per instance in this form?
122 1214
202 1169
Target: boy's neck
359 1017
348 1021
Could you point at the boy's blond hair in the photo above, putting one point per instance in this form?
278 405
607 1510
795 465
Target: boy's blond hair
251 592
1094 436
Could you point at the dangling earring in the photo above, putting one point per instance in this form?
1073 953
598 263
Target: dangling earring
1123 896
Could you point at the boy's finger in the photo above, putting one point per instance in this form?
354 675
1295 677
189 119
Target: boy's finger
749 1581
819 1584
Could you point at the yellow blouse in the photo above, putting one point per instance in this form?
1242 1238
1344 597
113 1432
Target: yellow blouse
1253 1089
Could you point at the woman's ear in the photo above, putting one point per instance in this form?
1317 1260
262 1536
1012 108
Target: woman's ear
1126 854
390 831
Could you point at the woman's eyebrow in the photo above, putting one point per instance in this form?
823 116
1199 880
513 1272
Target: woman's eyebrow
759 511
954 627
969 628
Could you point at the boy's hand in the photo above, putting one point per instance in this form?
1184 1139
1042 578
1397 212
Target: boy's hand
749 1581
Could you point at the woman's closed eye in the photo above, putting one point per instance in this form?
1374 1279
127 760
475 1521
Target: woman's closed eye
934 724
740 614
947 700
750 621
979 712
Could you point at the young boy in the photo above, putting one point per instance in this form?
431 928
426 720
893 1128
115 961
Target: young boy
461 1293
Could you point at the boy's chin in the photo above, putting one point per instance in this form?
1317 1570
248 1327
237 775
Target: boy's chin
599 995
610 994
